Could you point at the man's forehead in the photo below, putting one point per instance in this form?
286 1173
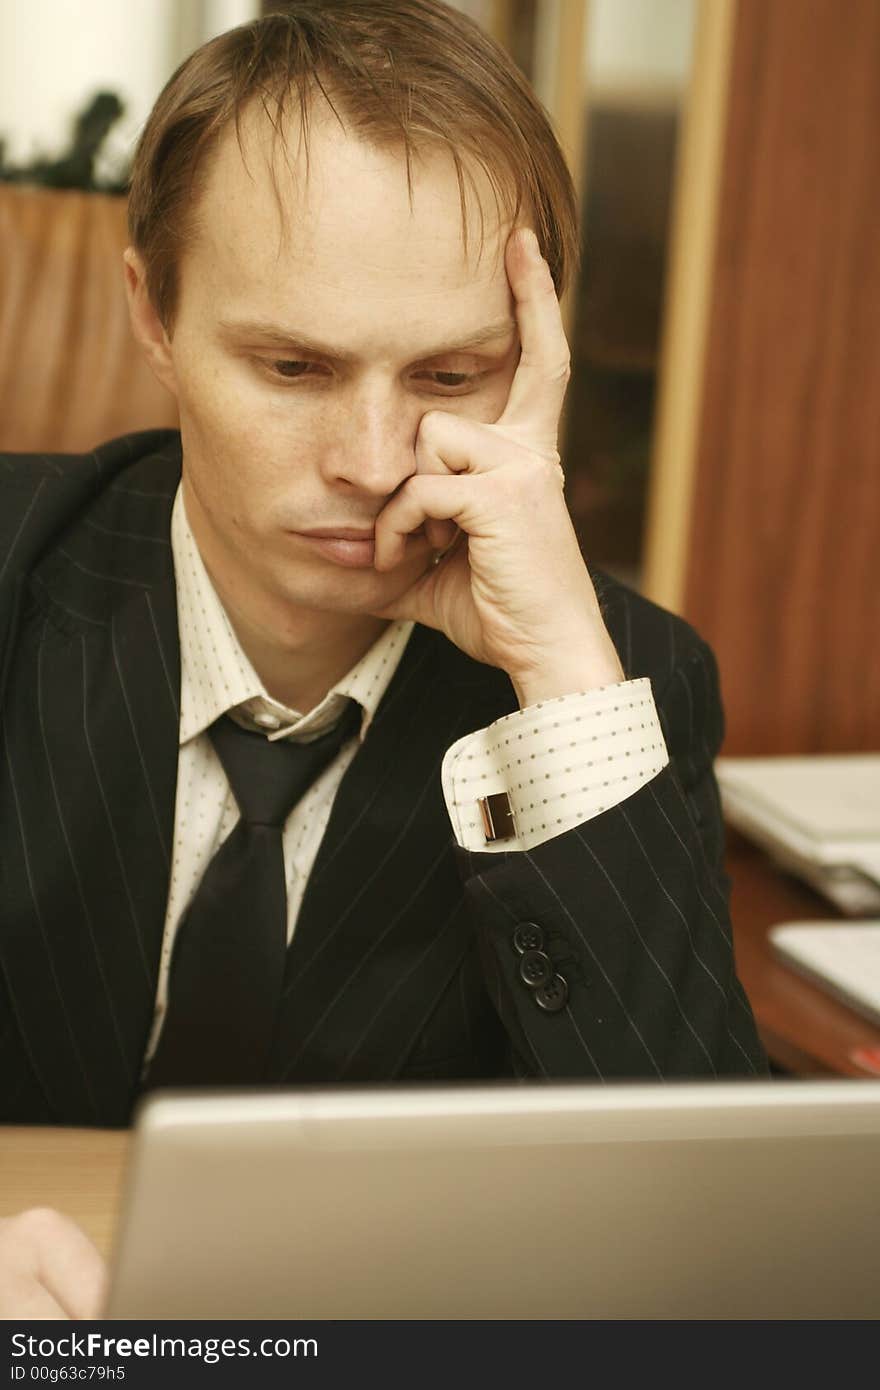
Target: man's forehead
264 200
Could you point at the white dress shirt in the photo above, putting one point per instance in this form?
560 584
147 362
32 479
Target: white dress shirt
560 762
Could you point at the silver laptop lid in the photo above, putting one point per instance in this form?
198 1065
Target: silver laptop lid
712 1200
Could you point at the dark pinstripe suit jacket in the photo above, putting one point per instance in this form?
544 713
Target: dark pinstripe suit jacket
402 962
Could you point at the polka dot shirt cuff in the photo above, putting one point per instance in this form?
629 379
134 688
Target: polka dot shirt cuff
559 763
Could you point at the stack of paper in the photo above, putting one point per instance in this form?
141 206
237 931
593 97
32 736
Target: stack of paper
819 816
843 958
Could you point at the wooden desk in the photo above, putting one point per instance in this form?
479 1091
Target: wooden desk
804 1030
77 1171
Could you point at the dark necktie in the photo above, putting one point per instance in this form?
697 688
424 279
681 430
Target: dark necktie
227 965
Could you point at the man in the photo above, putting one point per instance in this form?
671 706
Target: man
508 863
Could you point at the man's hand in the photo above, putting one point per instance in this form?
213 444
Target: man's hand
48 1268
512 589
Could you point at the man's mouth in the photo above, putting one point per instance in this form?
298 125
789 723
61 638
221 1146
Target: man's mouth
352 547
344 545
340 533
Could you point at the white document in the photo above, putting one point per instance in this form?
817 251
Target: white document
842 957
819 816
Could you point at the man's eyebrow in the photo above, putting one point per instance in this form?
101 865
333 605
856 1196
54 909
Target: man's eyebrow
287 340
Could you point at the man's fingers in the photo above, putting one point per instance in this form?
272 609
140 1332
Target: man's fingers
49 1268
448 443
24 1300
440 534
452 486
447 446
431 497
74 1272
534 403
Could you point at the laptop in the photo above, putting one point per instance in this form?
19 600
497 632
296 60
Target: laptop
529 1201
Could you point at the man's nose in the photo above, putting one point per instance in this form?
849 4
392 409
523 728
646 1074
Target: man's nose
374 451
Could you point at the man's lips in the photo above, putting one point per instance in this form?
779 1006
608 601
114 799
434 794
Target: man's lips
344 545
339 533
353 547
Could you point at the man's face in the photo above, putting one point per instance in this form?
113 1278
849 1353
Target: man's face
304 363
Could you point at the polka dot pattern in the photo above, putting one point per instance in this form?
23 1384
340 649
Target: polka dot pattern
560 762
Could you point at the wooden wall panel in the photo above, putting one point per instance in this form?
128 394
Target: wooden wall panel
783 575
71 373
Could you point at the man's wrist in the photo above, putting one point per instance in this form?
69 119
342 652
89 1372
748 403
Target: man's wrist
561 674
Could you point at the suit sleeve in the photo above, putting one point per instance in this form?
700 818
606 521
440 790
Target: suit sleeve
607 950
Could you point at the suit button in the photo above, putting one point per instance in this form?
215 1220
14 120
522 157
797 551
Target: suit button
535 969
527 937
553 996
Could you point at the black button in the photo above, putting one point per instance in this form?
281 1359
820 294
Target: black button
535 969
553 996
527 937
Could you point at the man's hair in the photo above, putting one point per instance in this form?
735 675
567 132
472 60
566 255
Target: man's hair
414 74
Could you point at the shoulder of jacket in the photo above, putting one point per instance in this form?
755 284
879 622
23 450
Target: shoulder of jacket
87 470
42 494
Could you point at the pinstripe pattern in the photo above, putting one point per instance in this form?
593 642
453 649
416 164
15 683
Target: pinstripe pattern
402 963
590 950
656 866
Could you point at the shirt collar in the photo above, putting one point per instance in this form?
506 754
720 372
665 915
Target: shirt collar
217 678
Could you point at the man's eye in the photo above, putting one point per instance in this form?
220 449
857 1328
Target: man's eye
291 369
294 369
452 380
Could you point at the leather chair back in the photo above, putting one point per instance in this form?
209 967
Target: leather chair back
71 373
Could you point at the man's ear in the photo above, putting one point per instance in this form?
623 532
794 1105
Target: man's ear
145 322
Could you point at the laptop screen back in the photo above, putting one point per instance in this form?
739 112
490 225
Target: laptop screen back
737 1200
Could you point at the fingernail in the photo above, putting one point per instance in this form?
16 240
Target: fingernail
529 243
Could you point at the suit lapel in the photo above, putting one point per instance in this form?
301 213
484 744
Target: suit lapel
90 760
383 925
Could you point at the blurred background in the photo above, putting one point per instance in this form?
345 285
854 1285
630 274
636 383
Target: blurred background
722 426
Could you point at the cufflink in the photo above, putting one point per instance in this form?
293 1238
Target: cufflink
497 817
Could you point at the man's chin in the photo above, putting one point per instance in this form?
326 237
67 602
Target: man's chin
354 590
